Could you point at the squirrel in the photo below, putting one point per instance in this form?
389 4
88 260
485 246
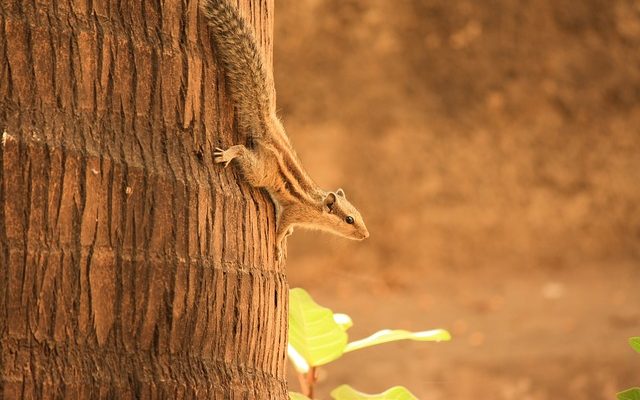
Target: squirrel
271 162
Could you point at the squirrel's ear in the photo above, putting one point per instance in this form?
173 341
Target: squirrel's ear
340 193
329 200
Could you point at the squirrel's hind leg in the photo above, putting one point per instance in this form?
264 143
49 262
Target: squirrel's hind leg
251 165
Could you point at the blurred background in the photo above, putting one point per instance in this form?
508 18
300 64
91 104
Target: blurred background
494 150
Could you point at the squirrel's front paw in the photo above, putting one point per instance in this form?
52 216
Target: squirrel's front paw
222 156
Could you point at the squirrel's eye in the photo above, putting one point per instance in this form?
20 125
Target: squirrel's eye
349 220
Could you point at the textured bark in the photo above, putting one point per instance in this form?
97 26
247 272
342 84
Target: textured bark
130 265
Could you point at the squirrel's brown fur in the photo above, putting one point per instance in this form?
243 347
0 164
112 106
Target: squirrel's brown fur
272 162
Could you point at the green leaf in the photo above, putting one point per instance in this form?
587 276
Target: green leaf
629 394
387 335
635 343
313 333
297 396
346 392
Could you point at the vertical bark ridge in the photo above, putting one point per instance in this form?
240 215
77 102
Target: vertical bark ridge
130 265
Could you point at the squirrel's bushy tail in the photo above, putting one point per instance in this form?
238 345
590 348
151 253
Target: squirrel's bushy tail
247 78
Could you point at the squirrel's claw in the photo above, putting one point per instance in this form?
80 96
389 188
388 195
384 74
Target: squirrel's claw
220 157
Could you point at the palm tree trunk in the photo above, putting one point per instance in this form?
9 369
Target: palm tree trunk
130 265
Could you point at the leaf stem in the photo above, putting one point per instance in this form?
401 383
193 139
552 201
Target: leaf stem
307 382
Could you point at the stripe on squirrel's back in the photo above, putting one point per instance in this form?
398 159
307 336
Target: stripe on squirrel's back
290 163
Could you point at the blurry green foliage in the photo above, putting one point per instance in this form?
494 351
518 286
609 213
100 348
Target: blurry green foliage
633 393
346 392
629 394
317 336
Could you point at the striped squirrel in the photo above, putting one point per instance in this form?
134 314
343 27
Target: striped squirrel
270 162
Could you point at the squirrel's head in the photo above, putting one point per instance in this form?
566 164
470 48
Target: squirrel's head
345 219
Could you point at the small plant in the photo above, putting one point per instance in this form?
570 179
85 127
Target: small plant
633 393
317 337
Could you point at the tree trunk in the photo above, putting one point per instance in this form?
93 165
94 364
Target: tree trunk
131 266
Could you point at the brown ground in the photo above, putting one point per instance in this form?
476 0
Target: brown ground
494 148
